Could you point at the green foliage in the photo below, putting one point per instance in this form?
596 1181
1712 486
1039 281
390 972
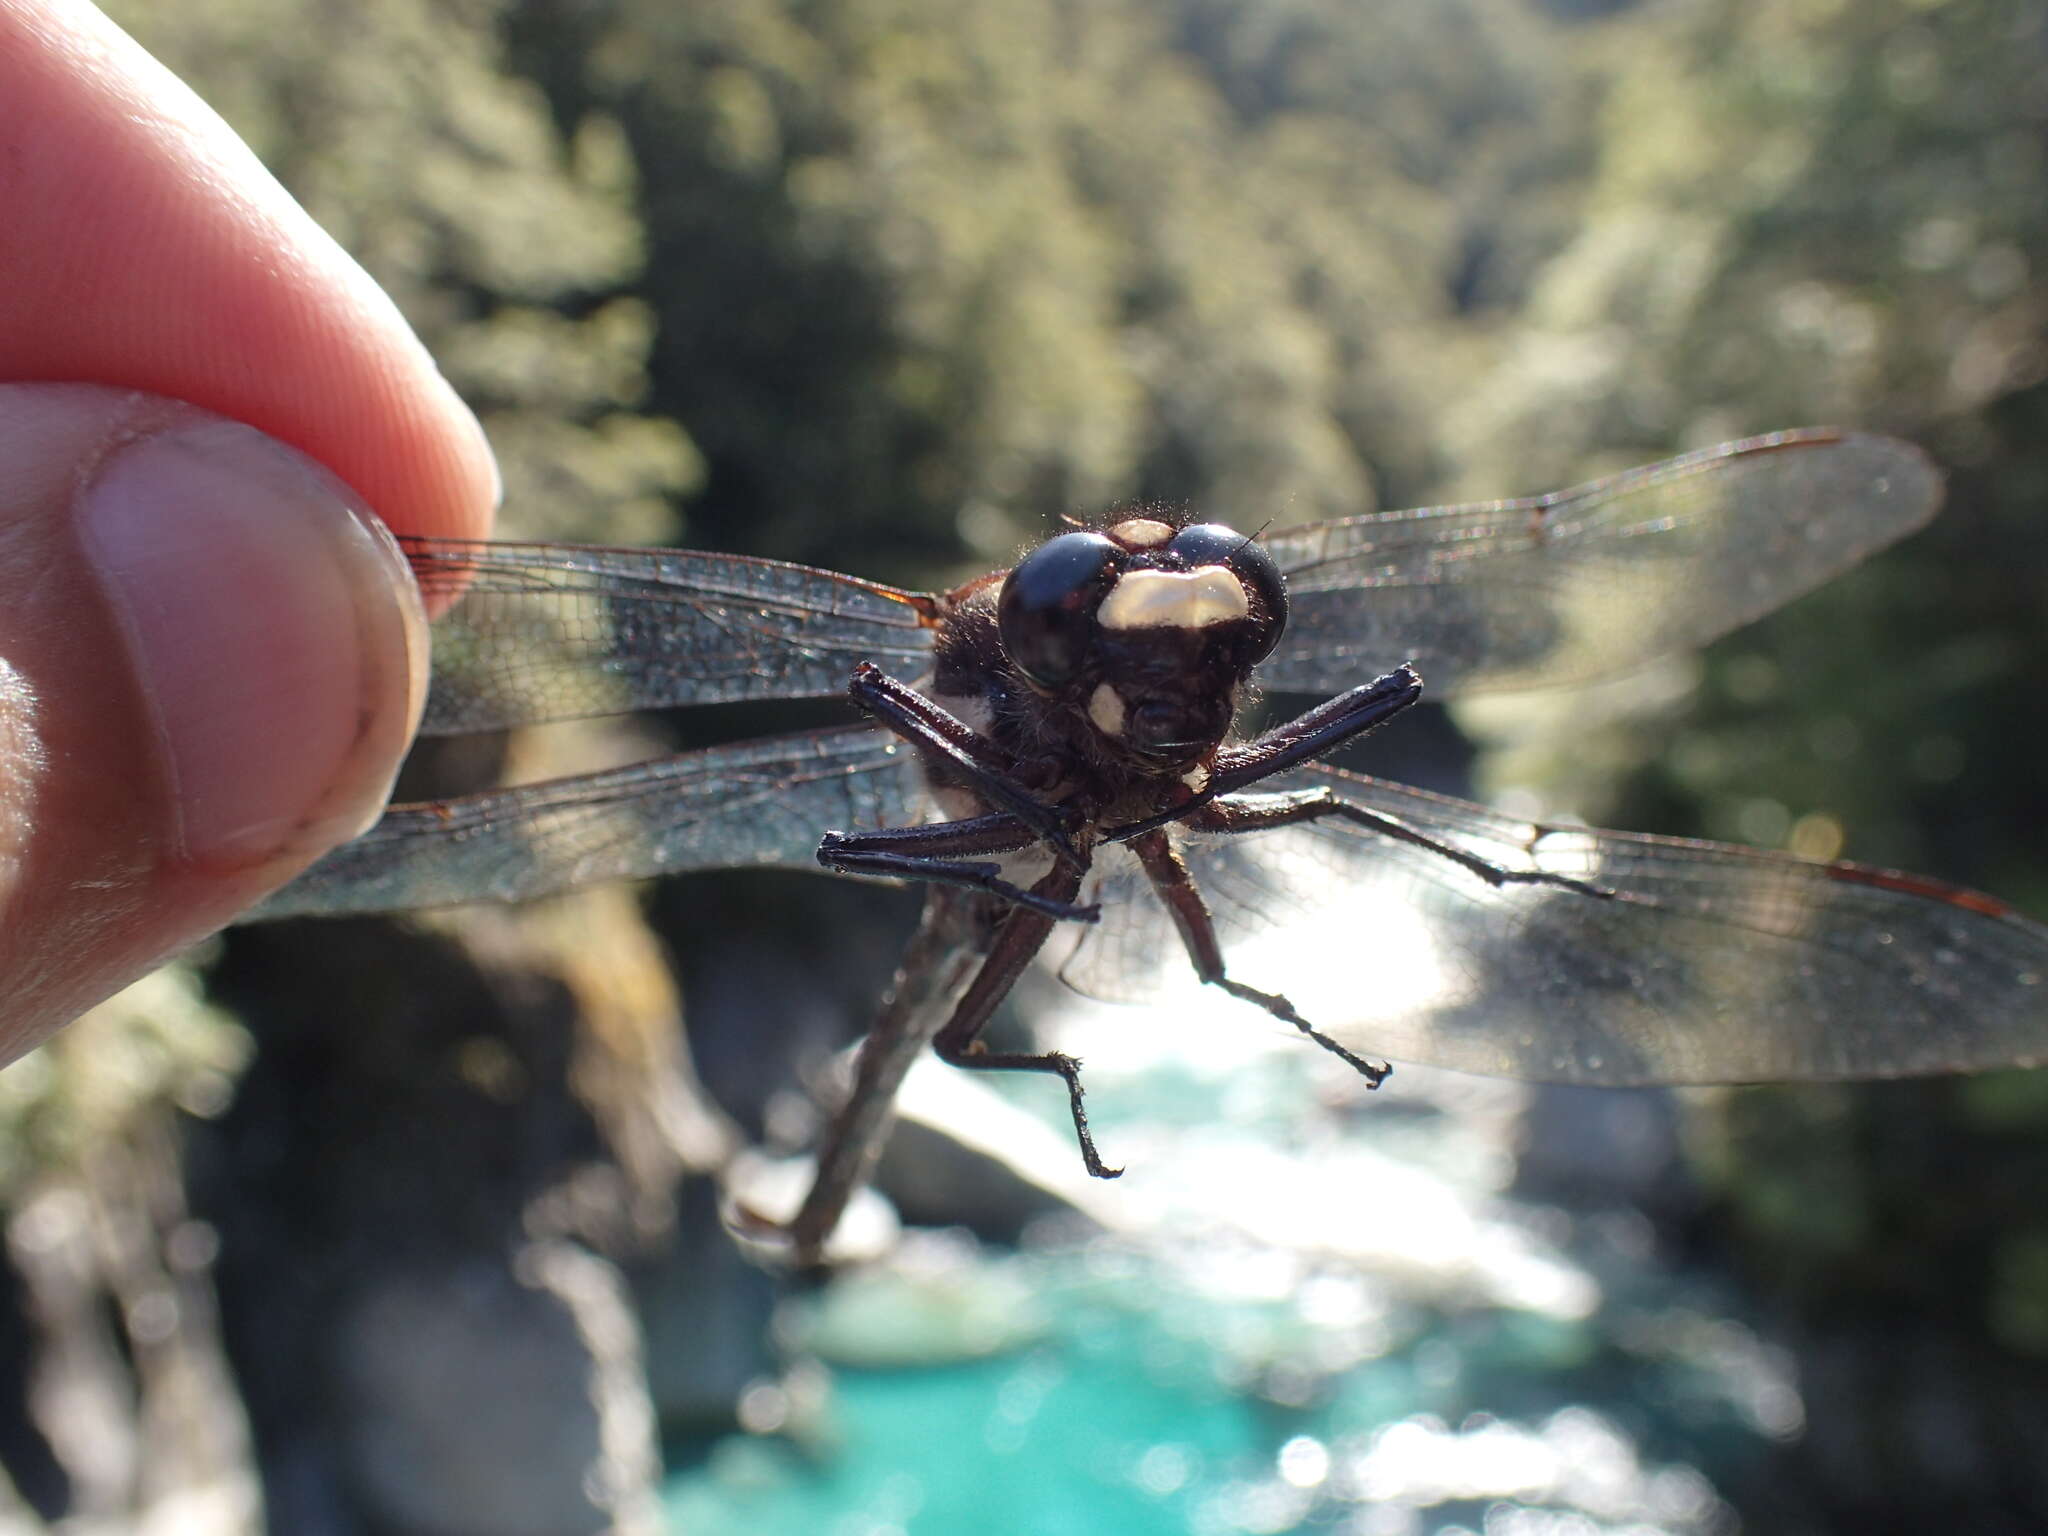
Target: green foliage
930 273
510 240
2019 1293
158 1044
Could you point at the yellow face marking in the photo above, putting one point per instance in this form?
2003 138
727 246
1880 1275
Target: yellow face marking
1174 600
1196 778
1141 532
1106 710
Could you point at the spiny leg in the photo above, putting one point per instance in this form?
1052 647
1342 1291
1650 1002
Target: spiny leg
1176 889
932 971
940 853
1261 813
1020 935
924 724
1310 735
1318 731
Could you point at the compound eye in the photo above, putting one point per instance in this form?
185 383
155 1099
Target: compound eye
1046 614
1218 544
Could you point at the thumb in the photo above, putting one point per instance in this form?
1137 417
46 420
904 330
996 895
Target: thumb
211 658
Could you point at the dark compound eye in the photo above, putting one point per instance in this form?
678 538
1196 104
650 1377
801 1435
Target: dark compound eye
1218 544
1046 614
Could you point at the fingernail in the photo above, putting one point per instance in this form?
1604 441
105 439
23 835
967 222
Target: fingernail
278 642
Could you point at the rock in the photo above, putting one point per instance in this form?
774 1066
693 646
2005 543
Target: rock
479 1401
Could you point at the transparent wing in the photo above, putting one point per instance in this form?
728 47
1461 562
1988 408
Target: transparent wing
757 803
1713 964
1597 580
563 631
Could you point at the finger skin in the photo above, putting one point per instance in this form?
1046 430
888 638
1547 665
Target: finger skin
167 757
144 251
144 246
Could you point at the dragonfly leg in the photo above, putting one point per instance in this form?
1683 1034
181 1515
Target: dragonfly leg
922 723
934 969
1318 731
1307 736
1019 936
938 853
1263 812
1175 887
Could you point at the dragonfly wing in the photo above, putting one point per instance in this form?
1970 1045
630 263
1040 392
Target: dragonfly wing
756 803
1711 964
564 631
1594 581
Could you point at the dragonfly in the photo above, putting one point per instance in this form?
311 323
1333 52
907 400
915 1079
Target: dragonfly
1051 751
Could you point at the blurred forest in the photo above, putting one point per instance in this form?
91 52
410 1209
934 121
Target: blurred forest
888 286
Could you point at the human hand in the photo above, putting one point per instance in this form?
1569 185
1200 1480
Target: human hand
211 653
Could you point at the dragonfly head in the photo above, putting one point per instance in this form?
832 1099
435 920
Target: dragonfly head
1146 629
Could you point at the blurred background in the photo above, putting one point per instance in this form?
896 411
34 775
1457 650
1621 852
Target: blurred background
369 1227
